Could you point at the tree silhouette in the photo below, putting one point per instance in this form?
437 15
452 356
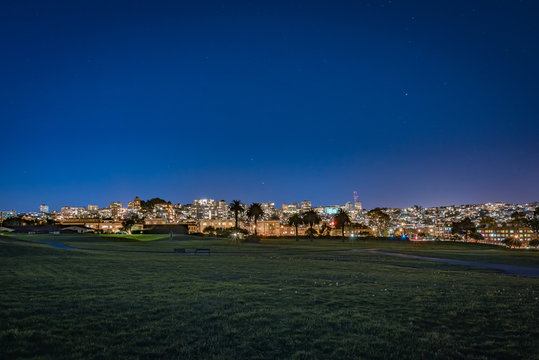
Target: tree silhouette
325 229
311 218
295 220
518 219
236 207
379 219
255 212
128 223
341 220
464 227
512 241
150 204
488 222
533 223
210 230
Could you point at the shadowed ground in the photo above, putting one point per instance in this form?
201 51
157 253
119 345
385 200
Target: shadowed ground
509 269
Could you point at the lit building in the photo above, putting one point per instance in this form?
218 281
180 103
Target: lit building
288 230
496 235
93 208
72 211
44 208
221 210
331 210
7 214
156 221
269 209
105 213
106 226
305 205
192 227
267 227
290 208
163 210
358 205
217 224
203 209
135 204
442 231
116 209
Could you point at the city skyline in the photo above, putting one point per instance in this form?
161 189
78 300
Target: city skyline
124 204
408 103
56 205
492 222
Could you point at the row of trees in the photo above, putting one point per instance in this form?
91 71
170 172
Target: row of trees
517 219
465 228
310 218
379 219
254 211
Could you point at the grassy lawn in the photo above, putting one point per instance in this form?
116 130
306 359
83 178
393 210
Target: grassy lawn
278 299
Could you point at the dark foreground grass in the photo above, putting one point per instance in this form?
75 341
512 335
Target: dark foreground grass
267 301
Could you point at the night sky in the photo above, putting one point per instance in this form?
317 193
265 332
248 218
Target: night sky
407 102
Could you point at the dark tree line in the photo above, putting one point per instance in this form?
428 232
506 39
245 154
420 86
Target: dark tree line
150 204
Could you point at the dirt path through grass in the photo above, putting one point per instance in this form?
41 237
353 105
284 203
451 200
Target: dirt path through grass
509 269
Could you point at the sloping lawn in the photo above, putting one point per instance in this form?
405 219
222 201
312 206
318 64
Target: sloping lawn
278 302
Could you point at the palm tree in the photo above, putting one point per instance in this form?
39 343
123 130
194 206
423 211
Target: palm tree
311 217
255 212
341 219
237 207
295 220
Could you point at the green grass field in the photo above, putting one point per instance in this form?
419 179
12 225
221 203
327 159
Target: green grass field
130 297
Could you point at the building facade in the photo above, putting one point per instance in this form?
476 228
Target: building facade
497 235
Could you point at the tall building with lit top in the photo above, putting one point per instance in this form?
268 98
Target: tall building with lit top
135 204
306 205
116 209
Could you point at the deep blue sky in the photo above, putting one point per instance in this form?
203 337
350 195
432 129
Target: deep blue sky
408 102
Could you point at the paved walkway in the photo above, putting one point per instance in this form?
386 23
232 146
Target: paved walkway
509 269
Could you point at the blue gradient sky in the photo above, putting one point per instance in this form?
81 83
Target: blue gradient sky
408 102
